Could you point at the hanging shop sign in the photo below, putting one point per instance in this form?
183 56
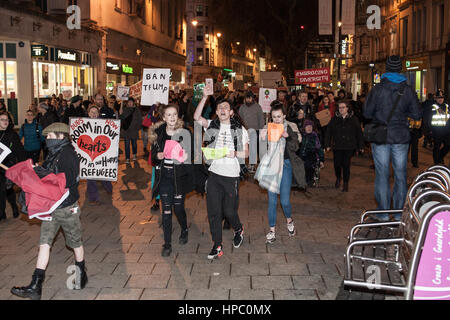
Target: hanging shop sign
417 64
113 66
127 69
39 51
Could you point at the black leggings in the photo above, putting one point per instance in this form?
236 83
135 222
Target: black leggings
342 162
170 200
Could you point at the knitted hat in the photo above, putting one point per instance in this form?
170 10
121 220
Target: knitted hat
56 127
308 123
440 93
394 64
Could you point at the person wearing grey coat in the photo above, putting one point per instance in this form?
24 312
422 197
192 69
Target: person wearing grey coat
131 124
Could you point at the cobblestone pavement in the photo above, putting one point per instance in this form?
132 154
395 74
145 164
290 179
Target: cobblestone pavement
123 244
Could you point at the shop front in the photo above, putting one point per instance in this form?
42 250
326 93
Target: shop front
121 73
415 70
9 76
61 71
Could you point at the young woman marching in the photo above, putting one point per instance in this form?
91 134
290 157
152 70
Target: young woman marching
173 178
278 167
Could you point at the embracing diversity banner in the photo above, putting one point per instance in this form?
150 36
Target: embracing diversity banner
96 142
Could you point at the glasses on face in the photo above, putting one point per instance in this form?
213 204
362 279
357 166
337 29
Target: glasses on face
5 120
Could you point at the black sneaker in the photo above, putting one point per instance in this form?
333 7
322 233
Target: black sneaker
167 250
155 207
183 237
238 238
215 252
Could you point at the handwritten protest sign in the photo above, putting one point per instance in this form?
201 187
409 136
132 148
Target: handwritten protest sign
275 131
4 152
209 87
266 97
96 142
173 150
214 154
123 93
155 87
136 90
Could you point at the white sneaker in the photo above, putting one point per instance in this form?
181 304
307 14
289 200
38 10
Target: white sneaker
270 237
134 158
127 161
291 228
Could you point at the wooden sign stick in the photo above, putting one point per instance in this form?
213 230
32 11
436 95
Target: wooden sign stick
3 166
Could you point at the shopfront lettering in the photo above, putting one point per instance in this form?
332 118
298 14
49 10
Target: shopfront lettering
127 69
69 56
112 66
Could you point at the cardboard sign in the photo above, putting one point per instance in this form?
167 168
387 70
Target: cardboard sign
215 154
312 76
433 272
209 87
4 152
324 117
96 142
266 97
173 150
123 93
155 87
275 131
136 90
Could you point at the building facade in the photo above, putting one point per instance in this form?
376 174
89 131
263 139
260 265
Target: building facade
418 31
40 55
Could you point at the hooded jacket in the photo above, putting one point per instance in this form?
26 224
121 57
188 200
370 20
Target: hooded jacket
344 133
380 102
183 172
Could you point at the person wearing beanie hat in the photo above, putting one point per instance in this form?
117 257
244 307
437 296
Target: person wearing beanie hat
61 158
75 110
310 151
392 91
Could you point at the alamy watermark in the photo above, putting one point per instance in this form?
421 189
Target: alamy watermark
74 20
74 280
374 21
374 277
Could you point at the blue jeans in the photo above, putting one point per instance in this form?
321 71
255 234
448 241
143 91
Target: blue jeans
127 147
285 195
382 155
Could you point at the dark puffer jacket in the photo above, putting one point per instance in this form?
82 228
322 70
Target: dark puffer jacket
344 134
380 102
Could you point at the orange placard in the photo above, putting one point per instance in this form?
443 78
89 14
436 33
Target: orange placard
275 131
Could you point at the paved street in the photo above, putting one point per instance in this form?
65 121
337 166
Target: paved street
123 244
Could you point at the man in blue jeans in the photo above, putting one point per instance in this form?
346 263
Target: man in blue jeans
379 103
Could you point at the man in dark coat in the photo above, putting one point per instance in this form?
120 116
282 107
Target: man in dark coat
75 110
379 104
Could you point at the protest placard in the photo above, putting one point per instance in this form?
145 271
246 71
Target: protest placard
155 87
123 93
4 152
209 87
174 151
266 97
275 131
135 90
96 142
198 91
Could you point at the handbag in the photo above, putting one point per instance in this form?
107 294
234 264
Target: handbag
376 132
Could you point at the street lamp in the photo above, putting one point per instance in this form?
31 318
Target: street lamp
238 43
194 23
254 50
219 35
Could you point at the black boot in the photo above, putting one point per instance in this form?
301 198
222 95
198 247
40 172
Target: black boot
338 183
33 291
183 237
15 212
345 188
167 250
155 207
83 276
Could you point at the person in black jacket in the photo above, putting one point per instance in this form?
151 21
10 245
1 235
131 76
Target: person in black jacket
379 104
105 111
61 158
75 110
173 179
344 136
11 140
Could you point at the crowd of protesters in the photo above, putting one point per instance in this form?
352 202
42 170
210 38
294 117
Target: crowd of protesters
226 116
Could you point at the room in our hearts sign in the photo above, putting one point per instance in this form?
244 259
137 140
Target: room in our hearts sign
96 142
